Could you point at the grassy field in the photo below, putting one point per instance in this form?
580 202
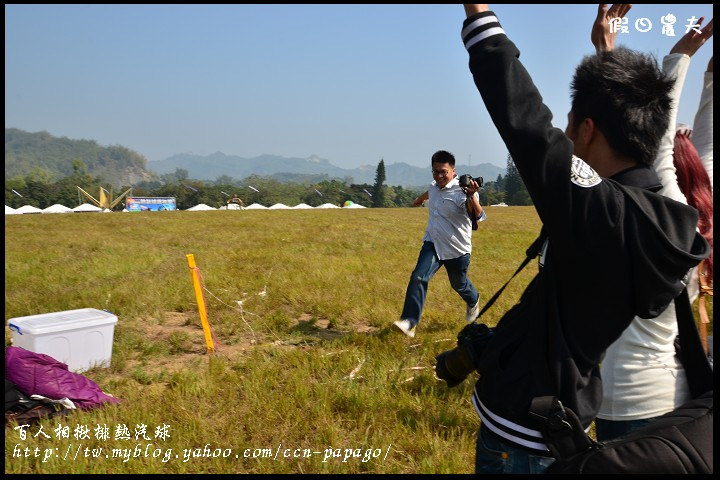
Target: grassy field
307 377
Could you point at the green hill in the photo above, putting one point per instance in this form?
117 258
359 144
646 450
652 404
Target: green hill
26 152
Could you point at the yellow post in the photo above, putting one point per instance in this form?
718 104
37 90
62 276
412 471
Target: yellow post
201 303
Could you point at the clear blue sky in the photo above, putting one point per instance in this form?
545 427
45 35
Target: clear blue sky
349 83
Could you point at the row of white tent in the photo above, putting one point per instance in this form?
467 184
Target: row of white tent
57 208
86 207
277 206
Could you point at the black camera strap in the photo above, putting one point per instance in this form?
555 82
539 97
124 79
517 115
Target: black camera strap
532 252
473 219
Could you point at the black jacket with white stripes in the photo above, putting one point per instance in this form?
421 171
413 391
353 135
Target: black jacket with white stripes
615 249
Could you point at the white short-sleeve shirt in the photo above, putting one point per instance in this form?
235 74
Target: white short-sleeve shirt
449 226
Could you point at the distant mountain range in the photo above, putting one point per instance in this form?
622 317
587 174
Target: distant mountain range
56 157
210 167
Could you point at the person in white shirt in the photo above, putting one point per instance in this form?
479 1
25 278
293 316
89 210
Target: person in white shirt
447 241
641 374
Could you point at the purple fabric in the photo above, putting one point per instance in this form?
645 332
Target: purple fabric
37 373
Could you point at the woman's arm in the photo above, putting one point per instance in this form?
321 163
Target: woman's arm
702 136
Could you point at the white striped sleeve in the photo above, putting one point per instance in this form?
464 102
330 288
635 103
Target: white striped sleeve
479 27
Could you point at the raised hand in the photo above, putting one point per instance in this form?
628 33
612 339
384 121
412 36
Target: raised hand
601 36
692 41
473 8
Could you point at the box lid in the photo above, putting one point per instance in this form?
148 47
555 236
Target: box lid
61 321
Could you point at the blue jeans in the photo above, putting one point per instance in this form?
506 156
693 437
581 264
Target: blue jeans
493 455
428 264
609 429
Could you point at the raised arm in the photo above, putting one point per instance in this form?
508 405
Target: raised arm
601 35
692 41
702 137
541 152
675 65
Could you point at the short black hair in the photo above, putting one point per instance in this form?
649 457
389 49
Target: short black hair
441 156
628 98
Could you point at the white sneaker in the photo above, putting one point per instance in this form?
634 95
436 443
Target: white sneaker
473 312
405 326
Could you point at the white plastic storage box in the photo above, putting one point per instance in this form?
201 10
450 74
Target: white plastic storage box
81 338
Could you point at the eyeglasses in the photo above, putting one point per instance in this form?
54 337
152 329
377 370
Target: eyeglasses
440 173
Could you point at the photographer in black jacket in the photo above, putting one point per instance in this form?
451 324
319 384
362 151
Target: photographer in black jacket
612 247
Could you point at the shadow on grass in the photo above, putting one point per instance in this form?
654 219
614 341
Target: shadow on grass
311 329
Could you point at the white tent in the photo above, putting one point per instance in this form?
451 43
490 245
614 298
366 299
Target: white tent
278 206
199 207
501 204
327 205
302 206
57 208
86 207
354 205
256 206
10 211
28 209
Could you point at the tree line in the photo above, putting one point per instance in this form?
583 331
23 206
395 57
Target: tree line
40 190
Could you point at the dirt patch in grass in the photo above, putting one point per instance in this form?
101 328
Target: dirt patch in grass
184 336
324 328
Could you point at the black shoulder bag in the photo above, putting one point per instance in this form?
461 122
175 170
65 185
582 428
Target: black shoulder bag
680 441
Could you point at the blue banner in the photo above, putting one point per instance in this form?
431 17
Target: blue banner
150 204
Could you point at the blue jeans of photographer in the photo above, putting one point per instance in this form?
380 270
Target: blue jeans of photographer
610 429
493 455
428 264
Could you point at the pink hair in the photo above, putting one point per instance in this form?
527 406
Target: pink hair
694 182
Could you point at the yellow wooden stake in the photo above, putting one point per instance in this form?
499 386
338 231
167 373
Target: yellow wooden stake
201 303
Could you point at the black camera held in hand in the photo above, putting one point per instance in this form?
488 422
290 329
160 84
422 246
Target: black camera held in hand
465 180
455 365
